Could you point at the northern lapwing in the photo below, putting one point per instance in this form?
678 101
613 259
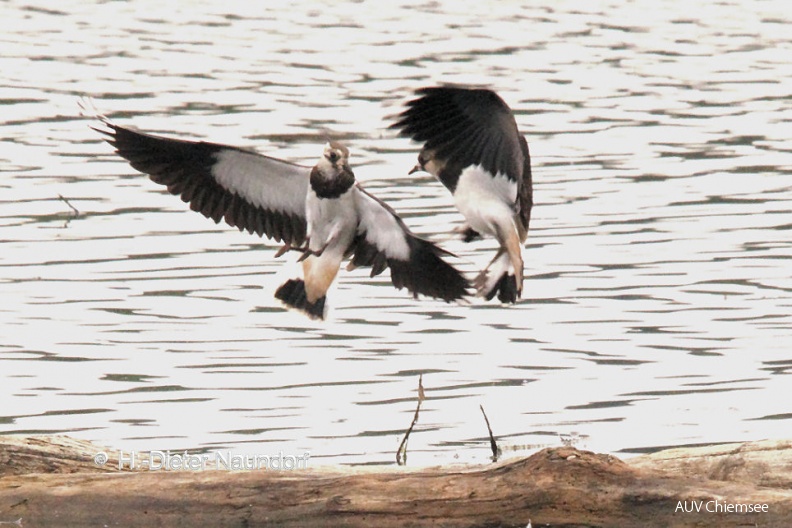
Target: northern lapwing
472 145
320 211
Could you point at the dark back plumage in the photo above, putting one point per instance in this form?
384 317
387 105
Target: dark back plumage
462 127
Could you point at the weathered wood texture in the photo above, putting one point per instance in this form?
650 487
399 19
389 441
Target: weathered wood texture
52 481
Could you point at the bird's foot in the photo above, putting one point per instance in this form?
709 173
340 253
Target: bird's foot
311 253
283 250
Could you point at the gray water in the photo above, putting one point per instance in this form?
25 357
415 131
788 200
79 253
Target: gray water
657 299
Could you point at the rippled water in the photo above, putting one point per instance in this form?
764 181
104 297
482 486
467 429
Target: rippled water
658 293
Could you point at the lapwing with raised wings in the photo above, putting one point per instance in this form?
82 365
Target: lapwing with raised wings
472 145
320 211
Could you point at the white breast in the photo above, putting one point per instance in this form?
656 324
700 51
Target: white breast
484 200
333 218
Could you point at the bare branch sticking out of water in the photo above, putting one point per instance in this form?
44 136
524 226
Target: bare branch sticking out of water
67 202
75 212
496 452
401 454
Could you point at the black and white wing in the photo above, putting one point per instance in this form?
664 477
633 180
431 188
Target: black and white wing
383 240
463 127
249 191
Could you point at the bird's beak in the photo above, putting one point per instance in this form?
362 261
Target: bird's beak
415 169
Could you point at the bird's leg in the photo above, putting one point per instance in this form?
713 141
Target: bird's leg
334 235
511 243
285 248
480 282
496 257
307 252
288 247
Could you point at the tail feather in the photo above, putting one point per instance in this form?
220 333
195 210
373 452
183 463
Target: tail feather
507 289
292 293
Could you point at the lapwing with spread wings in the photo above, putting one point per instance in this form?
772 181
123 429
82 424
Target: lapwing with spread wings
320 211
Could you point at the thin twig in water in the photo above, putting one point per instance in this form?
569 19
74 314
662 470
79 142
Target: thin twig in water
496 452
401 454
75 213
67 202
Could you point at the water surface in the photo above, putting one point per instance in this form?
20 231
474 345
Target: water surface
657 296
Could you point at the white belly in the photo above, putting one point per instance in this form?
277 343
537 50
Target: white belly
484 201
331 220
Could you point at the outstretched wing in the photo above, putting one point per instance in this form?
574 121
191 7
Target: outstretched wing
463 127
416 264
249 191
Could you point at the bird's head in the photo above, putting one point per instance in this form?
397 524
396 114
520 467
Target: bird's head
427 163
334 160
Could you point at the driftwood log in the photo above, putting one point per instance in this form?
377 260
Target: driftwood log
53 481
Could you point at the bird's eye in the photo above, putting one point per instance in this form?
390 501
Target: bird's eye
333 156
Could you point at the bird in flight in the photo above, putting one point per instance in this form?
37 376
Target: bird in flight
472 145
319 211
